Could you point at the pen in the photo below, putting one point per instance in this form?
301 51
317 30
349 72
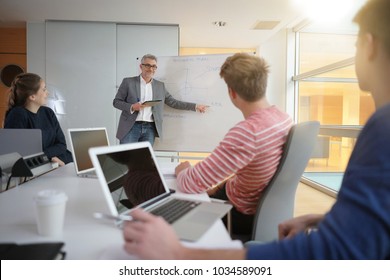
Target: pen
104 216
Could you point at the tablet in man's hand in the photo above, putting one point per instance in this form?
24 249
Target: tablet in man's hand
151 102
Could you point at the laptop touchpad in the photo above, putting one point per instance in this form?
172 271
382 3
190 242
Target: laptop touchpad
203 217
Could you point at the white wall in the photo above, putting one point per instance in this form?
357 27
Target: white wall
78 61
80 73
274 51
36 41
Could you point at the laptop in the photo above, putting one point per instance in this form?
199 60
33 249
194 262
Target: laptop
81 139
131 178
25 141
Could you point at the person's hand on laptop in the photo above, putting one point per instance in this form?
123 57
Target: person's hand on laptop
151 237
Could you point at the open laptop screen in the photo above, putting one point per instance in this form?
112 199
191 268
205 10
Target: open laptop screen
24 141
131 176
81 140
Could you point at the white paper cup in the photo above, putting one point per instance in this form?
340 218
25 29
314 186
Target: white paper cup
50 212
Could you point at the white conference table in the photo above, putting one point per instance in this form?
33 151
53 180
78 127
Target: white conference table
84 236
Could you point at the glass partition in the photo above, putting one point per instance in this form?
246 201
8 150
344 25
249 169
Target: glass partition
327 90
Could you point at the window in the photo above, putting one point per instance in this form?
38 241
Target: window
327 90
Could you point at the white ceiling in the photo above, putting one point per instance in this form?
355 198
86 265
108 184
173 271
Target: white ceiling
194 17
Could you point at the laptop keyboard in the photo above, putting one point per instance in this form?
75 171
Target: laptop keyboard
174 209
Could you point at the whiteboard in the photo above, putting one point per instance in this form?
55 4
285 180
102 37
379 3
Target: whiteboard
195 79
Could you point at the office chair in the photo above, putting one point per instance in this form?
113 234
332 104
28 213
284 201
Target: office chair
277 202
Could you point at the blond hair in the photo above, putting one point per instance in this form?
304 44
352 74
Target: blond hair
247 75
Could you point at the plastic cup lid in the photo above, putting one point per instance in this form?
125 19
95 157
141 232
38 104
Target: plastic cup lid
50 197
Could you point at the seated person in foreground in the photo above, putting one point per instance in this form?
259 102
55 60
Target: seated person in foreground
251 150
358 225
27 97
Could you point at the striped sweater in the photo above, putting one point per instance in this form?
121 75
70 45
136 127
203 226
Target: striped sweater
251 150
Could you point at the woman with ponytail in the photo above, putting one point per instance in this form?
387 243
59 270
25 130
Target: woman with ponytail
26 109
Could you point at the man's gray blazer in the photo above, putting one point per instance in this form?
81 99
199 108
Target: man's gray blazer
129 93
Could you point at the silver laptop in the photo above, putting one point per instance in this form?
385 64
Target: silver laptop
24 141
81 139
131 178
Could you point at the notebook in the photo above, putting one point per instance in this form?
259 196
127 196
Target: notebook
130 178
81 139
32 251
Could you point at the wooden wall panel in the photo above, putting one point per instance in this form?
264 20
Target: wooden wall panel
12 51
13 40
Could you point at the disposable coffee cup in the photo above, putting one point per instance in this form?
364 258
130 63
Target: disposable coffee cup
50 212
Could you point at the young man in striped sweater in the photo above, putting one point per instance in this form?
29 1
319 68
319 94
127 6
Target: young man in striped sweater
251 150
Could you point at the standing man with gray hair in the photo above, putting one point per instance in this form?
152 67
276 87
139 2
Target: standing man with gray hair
142 122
